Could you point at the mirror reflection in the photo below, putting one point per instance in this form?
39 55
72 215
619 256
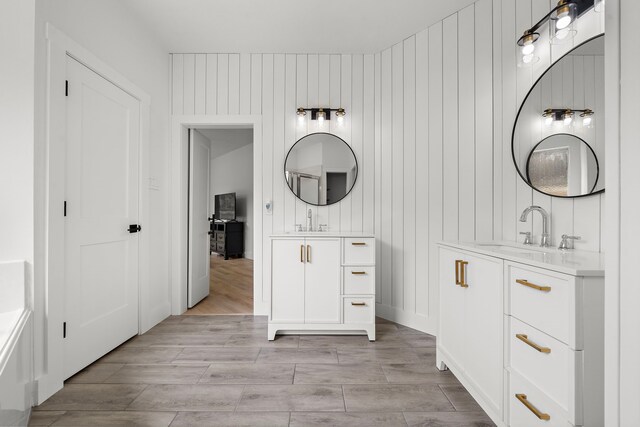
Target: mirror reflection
321 169
558 138
563 165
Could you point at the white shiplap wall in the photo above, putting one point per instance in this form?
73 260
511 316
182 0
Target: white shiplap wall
430 121
274 85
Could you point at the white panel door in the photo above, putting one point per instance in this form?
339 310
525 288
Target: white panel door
199 226
101 192
452 297
287 281
483 333
322 281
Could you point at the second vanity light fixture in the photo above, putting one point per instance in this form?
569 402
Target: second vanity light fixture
321 114
566 115
562 27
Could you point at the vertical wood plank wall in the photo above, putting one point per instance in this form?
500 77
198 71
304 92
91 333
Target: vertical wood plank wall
430 121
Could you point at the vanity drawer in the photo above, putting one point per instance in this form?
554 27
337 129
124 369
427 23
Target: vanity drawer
359 280
546 362
358 309
220 247
543 300
359 251
528 406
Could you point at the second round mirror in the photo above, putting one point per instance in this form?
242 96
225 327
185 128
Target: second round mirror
321 169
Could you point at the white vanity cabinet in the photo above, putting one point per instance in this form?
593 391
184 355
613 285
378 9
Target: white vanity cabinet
470 338
523 330
322 283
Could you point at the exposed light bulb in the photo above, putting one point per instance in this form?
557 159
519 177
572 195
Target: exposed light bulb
528 49
300 119
567 118
340 120
563 21
320 118
586 121
301 114
340 116
548 120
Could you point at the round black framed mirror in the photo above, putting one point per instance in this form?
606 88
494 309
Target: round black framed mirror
321 169
557 143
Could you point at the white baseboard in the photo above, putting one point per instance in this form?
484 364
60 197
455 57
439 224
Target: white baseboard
411 320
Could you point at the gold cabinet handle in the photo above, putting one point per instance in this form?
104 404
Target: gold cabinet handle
301 253
533 286
458 261
308 253
463 283
525 339
359 272
358 303
358 243
541 415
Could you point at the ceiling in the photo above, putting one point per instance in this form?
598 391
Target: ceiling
288 26
226 140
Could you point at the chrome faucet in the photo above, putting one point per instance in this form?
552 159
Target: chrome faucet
544 239
309 220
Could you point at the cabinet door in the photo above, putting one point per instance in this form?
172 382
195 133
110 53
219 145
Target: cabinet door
483 319
451 338
287 280
322 281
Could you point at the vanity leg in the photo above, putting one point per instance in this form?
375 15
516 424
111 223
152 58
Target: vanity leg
371 333
440 365
271 333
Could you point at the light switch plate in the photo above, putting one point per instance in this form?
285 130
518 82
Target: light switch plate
268 207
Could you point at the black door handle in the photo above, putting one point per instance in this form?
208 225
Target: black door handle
134 228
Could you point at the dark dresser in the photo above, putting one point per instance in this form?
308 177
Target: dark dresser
227 238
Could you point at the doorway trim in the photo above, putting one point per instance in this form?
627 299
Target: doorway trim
180 126
49 303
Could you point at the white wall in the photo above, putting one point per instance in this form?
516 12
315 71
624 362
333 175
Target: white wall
17 26
233 173
109 31
430 121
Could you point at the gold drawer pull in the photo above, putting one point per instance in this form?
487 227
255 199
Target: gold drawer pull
308 253
541 415
458 261
358 243
359 272
358 303
301 253
463 283
531 285
525 339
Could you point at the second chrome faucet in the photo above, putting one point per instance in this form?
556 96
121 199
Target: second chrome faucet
544 239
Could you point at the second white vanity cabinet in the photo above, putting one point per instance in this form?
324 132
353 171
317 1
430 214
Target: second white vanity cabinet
522 329
322 283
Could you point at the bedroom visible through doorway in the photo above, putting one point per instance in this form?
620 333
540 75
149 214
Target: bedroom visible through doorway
220 251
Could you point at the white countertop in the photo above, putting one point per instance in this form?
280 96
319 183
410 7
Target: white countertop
323 234
573 262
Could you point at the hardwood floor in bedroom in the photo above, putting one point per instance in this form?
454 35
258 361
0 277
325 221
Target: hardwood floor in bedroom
221 370
231 288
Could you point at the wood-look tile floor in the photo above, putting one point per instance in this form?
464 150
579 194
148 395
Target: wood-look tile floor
222 371
230 287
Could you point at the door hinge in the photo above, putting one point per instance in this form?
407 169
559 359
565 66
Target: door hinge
65 208
66 88
64 329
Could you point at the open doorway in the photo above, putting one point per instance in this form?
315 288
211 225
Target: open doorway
220 190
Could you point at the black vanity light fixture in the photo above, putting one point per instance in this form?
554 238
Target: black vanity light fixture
320 114
566 115
562 26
